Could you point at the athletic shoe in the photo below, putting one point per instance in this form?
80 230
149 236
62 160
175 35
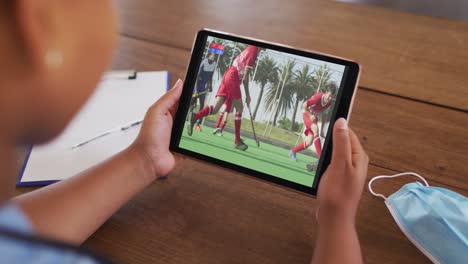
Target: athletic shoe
292 155
217 130
198 127
191 123
311 166
241 145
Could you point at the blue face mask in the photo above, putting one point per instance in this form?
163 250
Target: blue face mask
434 219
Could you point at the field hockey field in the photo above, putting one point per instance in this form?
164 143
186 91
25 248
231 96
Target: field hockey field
267 158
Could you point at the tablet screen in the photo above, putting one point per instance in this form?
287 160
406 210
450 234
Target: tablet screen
262 109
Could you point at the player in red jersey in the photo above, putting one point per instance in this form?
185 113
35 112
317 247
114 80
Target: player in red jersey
230 90
222 118
313 107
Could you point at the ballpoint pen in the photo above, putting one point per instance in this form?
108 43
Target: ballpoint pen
107 133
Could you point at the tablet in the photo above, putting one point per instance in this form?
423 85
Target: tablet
262 109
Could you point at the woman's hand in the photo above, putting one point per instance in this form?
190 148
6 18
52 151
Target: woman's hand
341 186
153 140
338 196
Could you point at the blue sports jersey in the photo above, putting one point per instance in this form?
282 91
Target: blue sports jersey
205 74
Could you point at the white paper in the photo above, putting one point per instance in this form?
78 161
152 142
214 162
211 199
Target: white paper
115 104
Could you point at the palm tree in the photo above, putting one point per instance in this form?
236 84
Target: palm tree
267 72
323 75
302 86
279 97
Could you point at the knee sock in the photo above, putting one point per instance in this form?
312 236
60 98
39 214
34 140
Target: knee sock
223 125
206 111
220 119
237 124
299 147
318 146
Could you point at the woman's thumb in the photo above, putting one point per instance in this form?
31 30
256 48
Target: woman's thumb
172 96
176 90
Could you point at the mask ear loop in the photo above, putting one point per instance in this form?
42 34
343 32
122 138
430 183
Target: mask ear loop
369 186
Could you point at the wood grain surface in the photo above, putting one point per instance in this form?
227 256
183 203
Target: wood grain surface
413 56
205 214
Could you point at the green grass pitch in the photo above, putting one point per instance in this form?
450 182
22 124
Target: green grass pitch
267 158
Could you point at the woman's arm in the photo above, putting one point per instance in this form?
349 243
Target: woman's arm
73 209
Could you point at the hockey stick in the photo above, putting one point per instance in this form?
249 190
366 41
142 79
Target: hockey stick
194 95
253 128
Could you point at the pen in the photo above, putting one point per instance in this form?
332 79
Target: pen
134 124
131 125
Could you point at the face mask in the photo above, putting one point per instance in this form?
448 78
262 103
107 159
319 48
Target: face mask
434 219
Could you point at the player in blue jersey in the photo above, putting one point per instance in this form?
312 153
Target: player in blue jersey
204 83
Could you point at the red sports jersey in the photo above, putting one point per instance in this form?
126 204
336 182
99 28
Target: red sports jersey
315 103
245 59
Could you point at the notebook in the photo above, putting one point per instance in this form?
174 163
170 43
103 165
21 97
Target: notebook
117 102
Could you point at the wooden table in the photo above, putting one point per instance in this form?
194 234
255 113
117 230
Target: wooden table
410 113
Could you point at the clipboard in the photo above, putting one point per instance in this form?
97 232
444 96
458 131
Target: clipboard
122 98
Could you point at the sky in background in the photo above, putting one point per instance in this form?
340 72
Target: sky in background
281 58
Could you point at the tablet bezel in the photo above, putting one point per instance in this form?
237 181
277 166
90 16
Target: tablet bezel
343 107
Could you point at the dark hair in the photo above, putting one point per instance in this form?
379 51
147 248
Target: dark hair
331 87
